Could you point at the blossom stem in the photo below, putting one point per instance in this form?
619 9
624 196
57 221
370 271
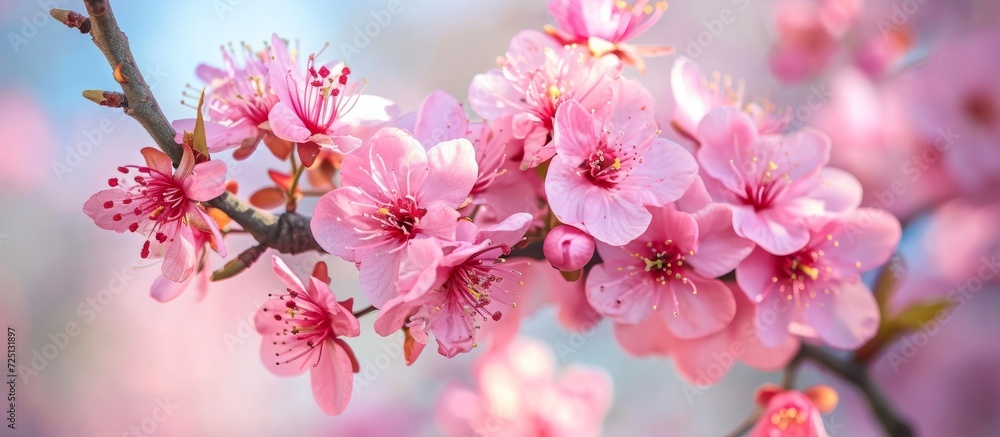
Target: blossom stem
855 372
367 310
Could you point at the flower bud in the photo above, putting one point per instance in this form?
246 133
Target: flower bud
568 248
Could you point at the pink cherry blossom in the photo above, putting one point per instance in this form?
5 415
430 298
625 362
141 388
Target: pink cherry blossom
165 290
959 108
447 288
568 248
772 183
319 108
301 330
605 26
817 291
163 204
806 42
789 413
393 192
704 361
666 274
519 393
238 101
610 166
538 75
695 96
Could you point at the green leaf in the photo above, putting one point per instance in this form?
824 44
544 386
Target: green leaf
914 317
200 139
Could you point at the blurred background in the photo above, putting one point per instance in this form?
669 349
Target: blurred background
100 356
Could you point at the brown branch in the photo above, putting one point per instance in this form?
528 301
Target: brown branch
288 233
855 373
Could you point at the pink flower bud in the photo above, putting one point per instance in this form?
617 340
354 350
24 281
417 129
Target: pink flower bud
568 248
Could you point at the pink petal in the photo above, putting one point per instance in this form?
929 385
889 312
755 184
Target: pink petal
185 167
614 219
805 152
568 193
207 182
484 91
862 241
439 222
280 70
452 173
157 160
726 134
333 379
756 274
378 275
692 104
179 259
774 230
774 315
665 174
165 290
606 292
720 250
104 217
743 331
846 317
284 273
574 135
451 330
509 231
648 338
269 351
703 361
286 124
839 190
701 314
338 222
440 118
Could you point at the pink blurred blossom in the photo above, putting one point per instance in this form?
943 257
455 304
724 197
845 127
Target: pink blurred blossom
519 393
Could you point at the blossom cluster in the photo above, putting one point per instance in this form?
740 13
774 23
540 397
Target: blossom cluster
566 184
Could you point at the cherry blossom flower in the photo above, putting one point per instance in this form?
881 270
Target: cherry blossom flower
301 330
665 274
817 291
519 393
610 167
444 288
538 75
320 107
959 108
393 192
605 26
695 96
697 360
806 40
238 102
163 204
789 413
772 183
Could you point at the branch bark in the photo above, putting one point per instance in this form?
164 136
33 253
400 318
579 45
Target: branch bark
287 233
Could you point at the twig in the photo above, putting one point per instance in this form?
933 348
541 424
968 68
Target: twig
855 373
367 310
288 233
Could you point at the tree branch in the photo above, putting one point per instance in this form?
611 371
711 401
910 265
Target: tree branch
855 373
287 233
